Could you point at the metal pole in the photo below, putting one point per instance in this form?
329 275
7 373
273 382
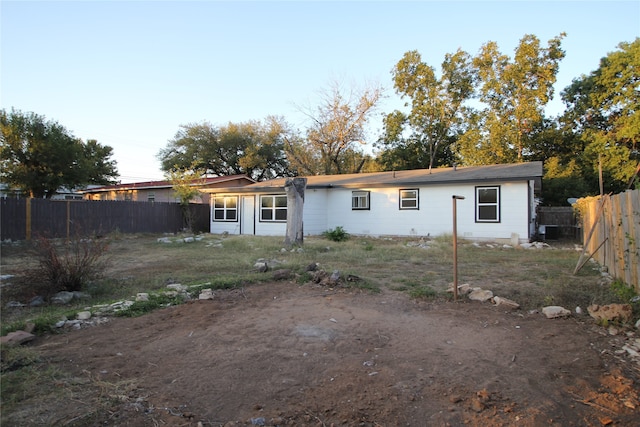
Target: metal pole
455 247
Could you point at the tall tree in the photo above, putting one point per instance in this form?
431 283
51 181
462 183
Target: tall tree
336 132
253 148
603 108
421 138
39 156
514 93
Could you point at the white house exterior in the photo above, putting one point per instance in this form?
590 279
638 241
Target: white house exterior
498 205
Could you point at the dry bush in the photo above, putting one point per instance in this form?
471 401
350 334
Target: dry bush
67 265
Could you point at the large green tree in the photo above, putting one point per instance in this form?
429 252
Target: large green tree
513 93
336 132
421 137
253 148
39 156
603 109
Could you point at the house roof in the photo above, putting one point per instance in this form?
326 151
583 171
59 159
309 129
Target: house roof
148 185
461 174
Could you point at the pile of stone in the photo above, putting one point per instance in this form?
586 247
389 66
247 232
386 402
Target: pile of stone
187 239
482 295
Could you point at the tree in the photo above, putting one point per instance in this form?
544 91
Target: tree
603 108
294 187
39 156
184 189
514 93
422 137
252 148
562 181
336 132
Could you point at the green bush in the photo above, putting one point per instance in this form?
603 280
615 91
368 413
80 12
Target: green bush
336 235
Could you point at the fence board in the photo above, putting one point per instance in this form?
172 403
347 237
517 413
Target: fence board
57 218
619 228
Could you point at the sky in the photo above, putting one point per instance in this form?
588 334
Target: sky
130 73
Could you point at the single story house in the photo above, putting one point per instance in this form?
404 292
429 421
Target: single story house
161 191
498 205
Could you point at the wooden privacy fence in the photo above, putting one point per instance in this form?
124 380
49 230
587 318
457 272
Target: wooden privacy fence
25 218
611 226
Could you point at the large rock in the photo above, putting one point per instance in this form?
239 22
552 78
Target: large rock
282 274
142 296
463 289
480 295
505 302
16 338
261 266
611 312
206 294
555 311
83 315
62 297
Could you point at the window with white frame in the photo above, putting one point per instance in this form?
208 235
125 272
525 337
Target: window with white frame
225 208
151 197
409 198
488 204
360 200
273 208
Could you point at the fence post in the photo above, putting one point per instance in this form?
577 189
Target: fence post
28 214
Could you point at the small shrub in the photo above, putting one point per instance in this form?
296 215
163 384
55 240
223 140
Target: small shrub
627 295
623 291
338 234
69 265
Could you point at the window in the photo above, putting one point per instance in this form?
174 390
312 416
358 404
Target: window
409 199
359 200
273 208
151 197
225 208
487 204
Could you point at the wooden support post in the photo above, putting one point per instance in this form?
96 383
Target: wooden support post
68 218
28 218
455 246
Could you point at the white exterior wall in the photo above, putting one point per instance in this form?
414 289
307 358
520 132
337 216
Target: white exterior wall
325 209
316 210
435 216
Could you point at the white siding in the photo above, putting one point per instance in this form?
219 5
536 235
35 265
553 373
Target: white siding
326 209
315 211
435 215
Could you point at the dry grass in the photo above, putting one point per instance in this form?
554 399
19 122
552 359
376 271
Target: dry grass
139 263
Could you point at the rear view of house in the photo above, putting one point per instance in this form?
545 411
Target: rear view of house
499 203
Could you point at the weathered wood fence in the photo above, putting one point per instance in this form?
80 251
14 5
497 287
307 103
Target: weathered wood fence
611 227
22 219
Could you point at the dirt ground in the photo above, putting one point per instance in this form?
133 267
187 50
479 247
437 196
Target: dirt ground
286 354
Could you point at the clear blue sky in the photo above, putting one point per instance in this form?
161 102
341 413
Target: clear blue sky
129 73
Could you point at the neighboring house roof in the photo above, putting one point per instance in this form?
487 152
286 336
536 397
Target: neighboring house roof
150 185
415 177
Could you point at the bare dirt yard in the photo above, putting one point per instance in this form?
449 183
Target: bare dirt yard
285 353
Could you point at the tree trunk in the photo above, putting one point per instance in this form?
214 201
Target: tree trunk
294 187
